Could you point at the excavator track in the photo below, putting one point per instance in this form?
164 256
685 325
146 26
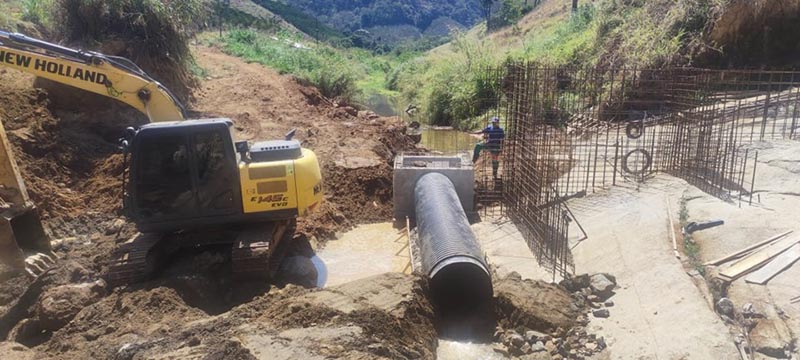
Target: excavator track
256 252
259 249
131 263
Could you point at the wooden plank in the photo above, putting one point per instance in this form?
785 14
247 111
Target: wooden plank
743 251
758 258
774 267
672 229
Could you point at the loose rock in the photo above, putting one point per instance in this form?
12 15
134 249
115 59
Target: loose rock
533 336
603 285
60 304
725 307
115 226
514 339
601 313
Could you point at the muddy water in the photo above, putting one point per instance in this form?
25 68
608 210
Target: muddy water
447 140
460 350
365 251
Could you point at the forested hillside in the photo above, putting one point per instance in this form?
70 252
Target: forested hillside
389 22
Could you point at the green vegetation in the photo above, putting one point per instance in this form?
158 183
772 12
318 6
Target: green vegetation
358 14
453 89
387 25
509 12
690 247
37 11
303 22
154 34
448 83
7 21
232 17
343 74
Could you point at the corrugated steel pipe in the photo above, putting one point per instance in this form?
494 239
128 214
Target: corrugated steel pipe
451 256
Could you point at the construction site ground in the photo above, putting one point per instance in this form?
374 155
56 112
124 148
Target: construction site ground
370 305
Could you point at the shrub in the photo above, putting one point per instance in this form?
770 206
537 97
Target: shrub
325 68
36 11
152 33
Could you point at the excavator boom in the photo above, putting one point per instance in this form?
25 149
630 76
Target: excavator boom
110 76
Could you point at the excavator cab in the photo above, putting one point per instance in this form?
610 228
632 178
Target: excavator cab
182 175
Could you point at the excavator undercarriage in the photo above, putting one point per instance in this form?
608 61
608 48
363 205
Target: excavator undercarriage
256 251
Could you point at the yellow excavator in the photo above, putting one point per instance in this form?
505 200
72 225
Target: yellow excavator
188 183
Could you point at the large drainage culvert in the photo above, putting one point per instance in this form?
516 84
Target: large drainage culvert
449 251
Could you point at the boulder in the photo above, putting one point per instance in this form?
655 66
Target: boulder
115 226
576 283
58 305
603 285
601 313
513 339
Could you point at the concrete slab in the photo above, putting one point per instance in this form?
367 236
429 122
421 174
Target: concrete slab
659 313
507 250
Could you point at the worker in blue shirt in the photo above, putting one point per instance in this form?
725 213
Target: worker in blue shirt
493 137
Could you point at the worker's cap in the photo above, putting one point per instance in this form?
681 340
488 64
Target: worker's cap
495 119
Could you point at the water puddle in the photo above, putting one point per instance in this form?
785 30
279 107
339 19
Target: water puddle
365 251
447 140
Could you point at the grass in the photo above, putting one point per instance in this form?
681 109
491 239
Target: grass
304 22
345 74
603 33
563 42
7 20
37 11
691 247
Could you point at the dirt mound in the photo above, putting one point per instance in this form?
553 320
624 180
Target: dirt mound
123 322
534 304
62 159
394 322
539 318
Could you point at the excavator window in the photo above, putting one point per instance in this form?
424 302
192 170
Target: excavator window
215 171
164 181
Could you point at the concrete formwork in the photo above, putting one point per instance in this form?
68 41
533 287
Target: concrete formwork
409 168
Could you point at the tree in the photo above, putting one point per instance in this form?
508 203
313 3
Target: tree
487 12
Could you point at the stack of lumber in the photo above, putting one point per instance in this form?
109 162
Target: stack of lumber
762 261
